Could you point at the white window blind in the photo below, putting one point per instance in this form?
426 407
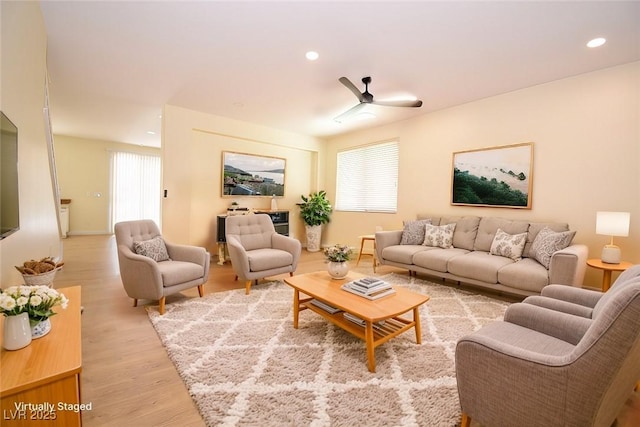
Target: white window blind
367 179
135 186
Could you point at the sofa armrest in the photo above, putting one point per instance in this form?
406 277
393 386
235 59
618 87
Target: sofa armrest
140 275
563 326
560 305
568 265
584 297
238 255
288 244
385 239
194 254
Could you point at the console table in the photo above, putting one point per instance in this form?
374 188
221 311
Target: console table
279 218
46 373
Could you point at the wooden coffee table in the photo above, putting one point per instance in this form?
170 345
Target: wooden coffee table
321 286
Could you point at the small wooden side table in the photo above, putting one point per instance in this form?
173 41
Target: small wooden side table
607 269
367 237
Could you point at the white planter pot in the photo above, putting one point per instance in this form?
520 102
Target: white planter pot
17 332
338 270
314 232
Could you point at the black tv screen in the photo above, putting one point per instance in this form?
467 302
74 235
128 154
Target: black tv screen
9 202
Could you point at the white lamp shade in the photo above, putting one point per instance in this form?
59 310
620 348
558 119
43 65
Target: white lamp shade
613 223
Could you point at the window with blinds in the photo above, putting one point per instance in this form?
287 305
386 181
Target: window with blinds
135 187
367 179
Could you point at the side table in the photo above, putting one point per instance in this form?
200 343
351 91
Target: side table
367 237
607 269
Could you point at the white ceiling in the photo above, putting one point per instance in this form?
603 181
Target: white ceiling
114 64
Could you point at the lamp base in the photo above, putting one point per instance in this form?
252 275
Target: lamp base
611 254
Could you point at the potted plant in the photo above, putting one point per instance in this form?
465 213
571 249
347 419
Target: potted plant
28 309
315 210
337 257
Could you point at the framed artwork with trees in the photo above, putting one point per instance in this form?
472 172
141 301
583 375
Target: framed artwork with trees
493 177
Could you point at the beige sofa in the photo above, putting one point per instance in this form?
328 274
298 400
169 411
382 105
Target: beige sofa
472 256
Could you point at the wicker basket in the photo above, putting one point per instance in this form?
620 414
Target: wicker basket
45 279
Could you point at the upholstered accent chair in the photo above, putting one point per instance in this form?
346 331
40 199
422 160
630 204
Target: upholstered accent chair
257 251
151 268
578 301
545 367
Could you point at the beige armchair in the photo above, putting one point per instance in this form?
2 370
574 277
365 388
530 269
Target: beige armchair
257 251
544 367
151 268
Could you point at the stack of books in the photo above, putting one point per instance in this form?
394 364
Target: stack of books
326 307
369 287
360 322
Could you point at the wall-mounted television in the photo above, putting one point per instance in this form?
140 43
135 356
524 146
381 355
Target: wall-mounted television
9 201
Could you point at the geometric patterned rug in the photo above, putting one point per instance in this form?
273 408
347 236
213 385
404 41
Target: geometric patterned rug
245 365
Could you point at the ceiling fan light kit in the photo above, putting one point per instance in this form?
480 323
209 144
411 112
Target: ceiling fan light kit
367 98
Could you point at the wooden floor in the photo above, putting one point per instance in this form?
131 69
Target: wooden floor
127 376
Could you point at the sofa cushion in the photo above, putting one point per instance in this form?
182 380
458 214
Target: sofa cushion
440 236
267 259
526 274
437 259
488 227
478 265
435 220
466 230
413 232
179 272
547 242
508 245
534 229
152 248
402 254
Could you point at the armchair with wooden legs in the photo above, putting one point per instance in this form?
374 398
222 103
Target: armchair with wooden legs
545 367
257 251
151 268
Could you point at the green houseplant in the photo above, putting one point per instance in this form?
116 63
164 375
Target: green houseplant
315 210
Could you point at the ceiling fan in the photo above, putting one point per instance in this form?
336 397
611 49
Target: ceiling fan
367 98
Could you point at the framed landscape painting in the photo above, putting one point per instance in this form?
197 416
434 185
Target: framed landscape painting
252 175
494 177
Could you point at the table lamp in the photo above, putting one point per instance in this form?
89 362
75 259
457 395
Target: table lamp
612 224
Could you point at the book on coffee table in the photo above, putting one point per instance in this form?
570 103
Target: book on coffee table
326 307
358 321
372 295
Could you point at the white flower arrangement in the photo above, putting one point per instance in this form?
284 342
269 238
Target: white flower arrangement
37 301
338 253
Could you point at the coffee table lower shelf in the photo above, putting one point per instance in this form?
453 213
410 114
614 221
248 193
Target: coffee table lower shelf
372 333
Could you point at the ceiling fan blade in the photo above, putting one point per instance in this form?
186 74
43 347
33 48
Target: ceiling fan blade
345 81
416 103
350 112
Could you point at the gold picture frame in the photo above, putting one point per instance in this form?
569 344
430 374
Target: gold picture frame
252 175
493 177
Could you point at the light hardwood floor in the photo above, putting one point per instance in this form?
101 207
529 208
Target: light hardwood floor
127 375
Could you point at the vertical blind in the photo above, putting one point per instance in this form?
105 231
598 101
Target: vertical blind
367 179
135 187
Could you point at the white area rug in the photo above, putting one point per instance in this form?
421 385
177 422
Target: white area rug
245 365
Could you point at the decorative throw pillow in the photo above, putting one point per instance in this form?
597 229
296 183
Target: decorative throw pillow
508 245
153 248
440 236
413 232
547 242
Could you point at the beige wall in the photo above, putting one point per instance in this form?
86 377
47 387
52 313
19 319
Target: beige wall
192 171
586 137
22 77
83 167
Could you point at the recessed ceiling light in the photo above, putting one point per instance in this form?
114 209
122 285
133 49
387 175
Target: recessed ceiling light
312 55
597 42
150 132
